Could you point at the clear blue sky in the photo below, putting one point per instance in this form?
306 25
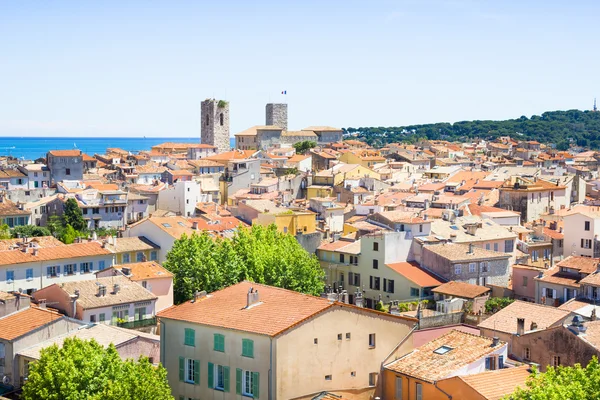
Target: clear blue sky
132 68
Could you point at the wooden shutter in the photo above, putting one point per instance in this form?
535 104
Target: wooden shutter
181 368
350 278
238 381
211 378
226 379
582 243
255 384
197 372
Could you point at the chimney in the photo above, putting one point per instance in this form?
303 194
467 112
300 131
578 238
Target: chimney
495 341
198 295
358 299
126 271
470 248
520 326
101 290
35 251
116 288
593 314
104 244
252 298
195 225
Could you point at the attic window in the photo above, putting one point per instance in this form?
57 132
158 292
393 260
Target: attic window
166 225
442 350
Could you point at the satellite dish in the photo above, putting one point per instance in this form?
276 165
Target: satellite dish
6 379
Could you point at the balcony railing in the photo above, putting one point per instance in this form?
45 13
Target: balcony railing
137 324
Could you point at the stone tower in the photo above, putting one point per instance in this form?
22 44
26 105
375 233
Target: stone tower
276 114
214 124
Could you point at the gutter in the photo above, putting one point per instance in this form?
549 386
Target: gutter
440 389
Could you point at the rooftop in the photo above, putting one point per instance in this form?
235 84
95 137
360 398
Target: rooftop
135 243
414 273
461 289
24 321
142 271
457 252
496 385
543 316
75 250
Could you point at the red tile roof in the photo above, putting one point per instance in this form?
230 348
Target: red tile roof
22 322
414 273
461 289
65 153
74 250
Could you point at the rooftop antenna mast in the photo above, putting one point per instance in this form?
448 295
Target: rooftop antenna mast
595 108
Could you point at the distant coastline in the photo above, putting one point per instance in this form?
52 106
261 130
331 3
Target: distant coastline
31 148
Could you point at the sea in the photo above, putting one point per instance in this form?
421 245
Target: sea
31 148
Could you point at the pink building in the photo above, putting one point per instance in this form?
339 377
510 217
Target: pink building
523 284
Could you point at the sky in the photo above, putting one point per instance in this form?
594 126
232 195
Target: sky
141 68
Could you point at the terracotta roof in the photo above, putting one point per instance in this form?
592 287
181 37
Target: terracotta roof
65 153
505 320
7 207
554 275
413 272
24 321
74 250
40 241
584 265
174 226
129 292
554 234
232 155
135 243
465 348
496 385
460 252
226 308
461 289
142 271
218 223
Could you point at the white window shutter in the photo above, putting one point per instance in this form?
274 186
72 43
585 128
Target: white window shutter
554 293
543 292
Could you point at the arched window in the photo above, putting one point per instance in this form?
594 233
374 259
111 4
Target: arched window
221 119
207 120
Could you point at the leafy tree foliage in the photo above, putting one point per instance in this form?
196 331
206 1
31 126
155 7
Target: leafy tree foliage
74 216
574 383
30 231
5 232
86 370
303 147
496 304
582 127
260 254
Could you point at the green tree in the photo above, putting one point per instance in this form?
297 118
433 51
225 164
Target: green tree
496 304
69 234
73 215
86 370
303 147
55 225
260 254
30 231
563 145
574 383
5 232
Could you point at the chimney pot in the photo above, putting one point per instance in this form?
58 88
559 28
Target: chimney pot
495 341
520 326
252 298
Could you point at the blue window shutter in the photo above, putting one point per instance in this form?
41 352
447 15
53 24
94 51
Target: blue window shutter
226 379
58 270
255 384
48 272
196 372
238 381
487 363
211 379
75 268
181 368
501 362
91 266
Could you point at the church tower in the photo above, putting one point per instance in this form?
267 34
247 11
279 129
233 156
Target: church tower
214 124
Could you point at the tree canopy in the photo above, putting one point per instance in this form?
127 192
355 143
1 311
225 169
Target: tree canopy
574 383
30 231
581 127
86 370
260 254
73 215
303 147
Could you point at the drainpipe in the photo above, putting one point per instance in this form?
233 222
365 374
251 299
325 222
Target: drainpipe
271 369
440 389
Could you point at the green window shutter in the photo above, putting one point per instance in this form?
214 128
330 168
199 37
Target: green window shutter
197 372
181 398
211 378
190 337
219 342
248 348
255 384
226 379
238 381
181 368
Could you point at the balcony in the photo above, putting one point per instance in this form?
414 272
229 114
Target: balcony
137 324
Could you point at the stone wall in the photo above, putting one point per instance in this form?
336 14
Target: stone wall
212 131
277 114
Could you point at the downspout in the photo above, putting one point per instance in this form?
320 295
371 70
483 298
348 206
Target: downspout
271 369
441 390
409 334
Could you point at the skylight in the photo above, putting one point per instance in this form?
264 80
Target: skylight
442 350
181 223
166 225
454 227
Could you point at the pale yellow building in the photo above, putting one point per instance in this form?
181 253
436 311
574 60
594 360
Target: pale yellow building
365 158
289 221
262 342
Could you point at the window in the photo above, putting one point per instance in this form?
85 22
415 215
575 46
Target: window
189 370
29 274
125 258
587 225
442 350
372 378
495 246
586 243
93 318
339 336
527 354
419 391
390 286
316 341
398 388
153 255
375 264
70 269
10 276
84 211
509 246
221 378
101 265
488 246
546 254
457 269
247 383
139 257
145 284
327 377
524 281
484 266
348 335
375 246
376 283
86 267
555 361
490 363
371 340
415 292
189 337
221 119
248 348
68 171
420 228
219 343
102 317
52 271
353 373
341 258
534 255
472 267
